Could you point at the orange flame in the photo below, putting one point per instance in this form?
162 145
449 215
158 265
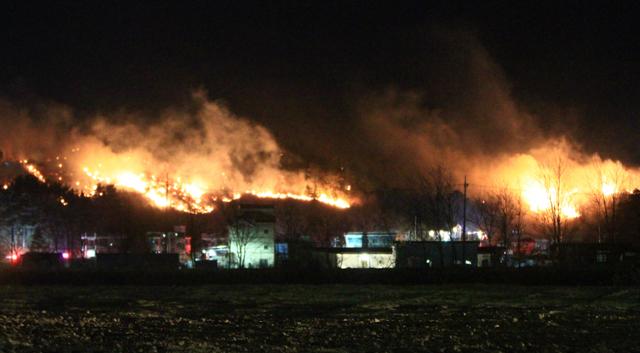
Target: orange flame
33 170
556 176
190 196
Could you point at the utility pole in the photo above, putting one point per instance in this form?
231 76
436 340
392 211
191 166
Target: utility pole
464 221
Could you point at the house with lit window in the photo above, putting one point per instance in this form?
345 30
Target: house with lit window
345 258
359 250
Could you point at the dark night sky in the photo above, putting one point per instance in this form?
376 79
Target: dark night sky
298 69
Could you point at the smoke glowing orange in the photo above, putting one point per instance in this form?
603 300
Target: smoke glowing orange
557 177
184 160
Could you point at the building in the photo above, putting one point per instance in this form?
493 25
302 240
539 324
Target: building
171 243
584 254
529 252
365 258
214 252
529 247
252 237
375 239
93 244
491 256
359 250
425 254
354 257
295 253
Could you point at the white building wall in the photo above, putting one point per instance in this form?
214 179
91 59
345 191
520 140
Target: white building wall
260 252
365 260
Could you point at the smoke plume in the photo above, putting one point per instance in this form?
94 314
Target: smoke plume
203 149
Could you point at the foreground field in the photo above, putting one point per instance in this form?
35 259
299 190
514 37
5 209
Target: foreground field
326 318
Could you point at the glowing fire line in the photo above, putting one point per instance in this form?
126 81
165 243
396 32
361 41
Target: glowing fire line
33 170
192 197
183 196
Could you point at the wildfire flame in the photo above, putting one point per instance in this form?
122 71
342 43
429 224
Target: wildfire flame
181 159
33 170
555 178
191 196
324 198
609 189
166 192
541 199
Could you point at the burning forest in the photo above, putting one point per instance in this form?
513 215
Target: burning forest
185 162
191 160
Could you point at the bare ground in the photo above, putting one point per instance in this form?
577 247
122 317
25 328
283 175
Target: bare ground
323 318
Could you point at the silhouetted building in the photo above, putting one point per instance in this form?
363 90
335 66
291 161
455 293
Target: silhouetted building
147 262
171 243
424 254
580 254
491 256
375 239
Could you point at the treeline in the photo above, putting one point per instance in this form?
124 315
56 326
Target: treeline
58 217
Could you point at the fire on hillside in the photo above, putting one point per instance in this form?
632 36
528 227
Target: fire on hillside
173 191
559 180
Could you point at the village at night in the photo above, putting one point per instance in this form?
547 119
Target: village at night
319 177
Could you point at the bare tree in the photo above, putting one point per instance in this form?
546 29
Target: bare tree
555 217
606 187
441 202
501 213
370 216
291 221
5 206
486 215
510 214
242 232
442 198
518 223
19 210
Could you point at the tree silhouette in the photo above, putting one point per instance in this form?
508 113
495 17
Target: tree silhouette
38 242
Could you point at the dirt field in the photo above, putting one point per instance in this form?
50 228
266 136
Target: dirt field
327 318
